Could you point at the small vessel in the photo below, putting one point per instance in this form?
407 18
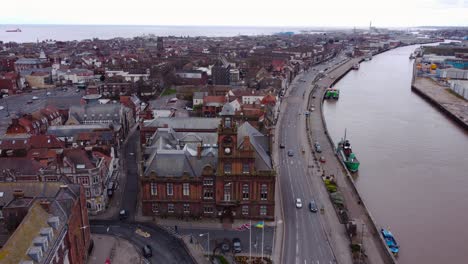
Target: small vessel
411 57
356 66
346 153
332 93
13 30
390 241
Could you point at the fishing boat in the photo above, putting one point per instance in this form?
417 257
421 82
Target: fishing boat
332 93
346 153
13 30
390 241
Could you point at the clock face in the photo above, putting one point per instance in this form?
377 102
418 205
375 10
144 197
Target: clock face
227 150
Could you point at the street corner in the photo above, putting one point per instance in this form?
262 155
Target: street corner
113 249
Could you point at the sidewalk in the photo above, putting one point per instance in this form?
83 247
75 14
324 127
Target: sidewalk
118 250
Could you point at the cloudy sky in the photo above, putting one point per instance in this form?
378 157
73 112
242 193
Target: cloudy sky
349 13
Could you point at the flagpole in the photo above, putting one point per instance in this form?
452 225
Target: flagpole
263 232
250 242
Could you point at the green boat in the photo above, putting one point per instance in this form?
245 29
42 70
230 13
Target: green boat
332 93
346 153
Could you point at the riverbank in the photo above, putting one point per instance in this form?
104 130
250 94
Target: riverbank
374 245
455 108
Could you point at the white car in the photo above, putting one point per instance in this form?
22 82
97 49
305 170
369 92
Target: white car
298 203
35 97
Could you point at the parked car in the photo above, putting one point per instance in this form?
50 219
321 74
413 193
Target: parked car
290 153
35 97
298 203
147 251
123 214
282 146
236 245
313 206
29 102
322 159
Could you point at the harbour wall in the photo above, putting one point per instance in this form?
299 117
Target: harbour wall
437 104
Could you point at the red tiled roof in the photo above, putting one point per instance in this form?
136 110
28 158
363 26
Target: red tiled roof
214 99
46 141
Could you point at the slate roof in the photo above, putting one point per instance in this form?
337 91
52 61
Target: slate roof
74 130
97 112
260 144
185 122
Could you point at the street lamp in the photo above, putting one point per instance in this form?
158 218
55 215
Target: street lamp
208 235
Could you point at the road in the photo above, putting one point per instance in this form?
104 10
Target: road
165 248
305 240
130 167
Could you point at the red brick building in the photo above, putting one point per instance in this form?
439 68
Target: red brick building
232 178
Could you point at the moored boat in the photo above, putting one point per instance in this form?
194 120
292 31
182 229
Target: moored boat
13 30
390 241
332 93
346 153
356 66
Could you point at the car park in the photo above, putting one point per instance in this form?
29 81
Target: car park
313 206
298 203
236 245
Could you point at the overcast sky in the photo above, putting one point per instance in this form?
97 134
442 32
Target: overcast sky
349 13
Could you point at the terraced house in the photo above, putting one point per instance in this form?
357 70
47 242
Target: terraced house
225 174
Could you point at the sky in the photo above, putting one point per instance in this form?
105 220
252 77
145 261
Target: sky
285 13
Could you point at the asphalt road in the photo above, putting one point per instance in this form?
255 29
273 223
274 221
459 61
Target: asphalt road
305 240
165 248
130 195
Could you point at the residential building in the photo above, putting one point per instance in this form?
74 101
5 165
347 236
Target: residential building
43 223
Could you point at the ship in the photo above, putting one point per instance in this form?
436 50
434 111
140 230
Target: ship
355 66
13 30
390 241
332 93
346 153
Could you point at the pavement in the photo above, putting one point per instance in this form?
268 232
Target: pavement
116 249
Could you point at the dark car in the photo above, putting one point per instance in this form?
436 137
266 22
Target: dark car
282 145
290 153
313 206
147 251
236 245
123 214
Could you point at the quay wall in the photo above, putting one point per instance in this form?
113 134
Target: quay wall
439 106
371 220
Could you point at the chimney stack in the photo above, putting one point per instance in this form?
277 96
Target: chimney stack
17 194
45 205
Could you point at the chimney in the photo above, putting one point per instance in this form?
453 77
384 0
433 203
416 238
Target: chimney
54 222
35 253
45 205
17 194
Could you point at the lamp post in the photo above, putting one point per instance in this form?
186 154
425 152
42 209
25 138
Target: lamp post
208 235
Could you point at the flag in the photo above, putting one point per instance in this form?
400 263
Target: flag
243 227
260 224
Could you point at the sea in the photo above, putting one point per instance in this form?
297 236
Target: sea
34 33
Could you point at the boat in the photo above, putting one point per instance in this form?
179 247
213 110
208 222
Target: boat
411 57
346 153
13 30
355 66
390 241
332 93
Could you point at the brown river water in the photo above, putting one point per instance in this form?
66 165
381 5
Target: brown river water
414 164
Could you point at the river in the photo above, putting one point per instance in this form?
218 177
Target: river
414 166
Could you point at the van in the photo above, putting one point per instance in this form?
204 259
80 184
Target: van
147 251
